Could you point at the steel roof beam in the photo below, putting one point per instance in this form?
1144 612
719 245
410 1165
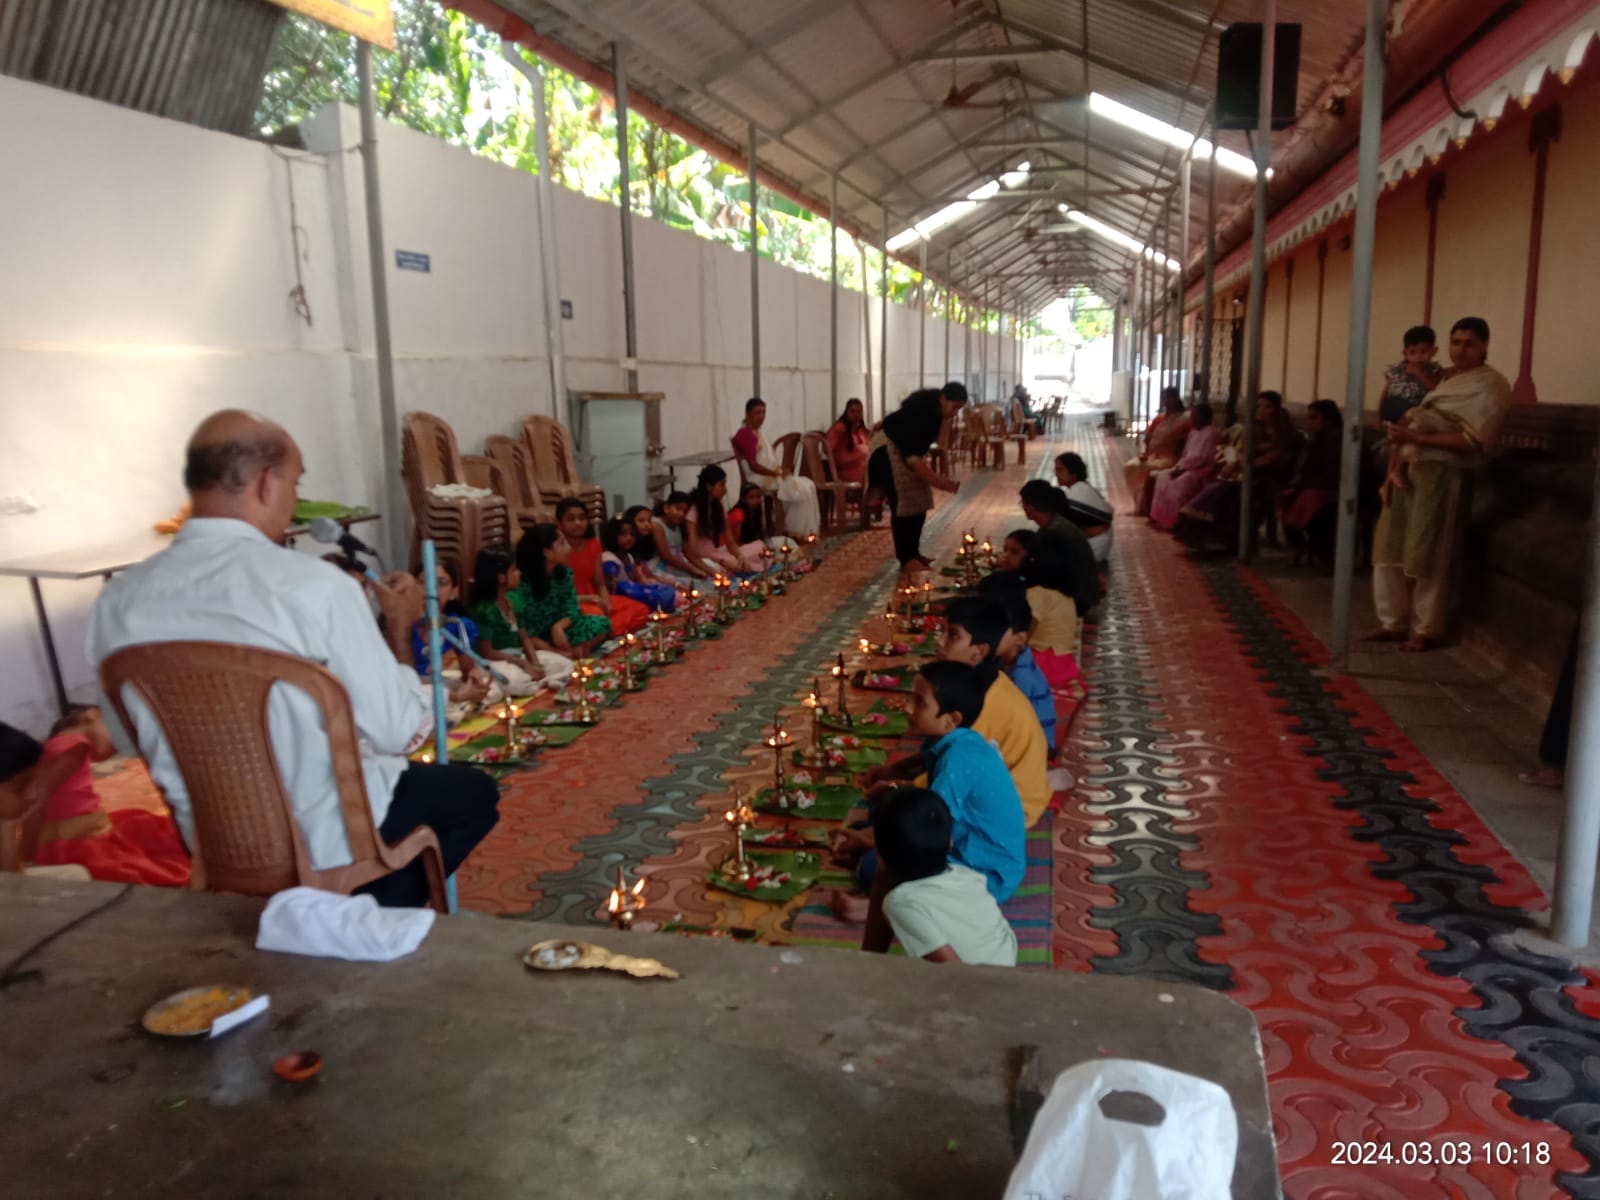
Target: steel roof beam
871 81
796 23
1044 38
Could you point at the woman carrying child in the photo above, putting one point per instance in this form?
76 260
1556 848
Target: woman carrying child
586 562
708 542
550 598
499 607
625 569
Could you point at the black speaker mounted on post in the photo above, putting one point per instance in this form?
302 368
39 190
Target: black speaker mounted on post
1239 76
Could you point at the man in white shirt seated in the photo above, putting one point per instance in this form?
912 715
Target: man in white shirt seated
227 578
1086 507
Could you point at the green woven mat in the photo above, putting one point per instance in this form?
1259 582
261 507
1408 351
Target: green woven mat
801 866
831 801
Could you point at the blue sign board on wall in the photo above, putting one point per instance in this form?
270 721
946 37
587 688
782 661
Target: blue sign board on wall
410 260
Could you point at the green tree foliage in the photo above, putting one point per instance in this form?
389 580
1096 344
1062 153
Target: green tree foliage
447 78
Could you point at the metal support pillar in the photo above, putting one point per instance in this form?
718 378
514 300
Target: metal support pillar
833 296
1258 278
883 326
1355 387
549 255
1185 182
922 319
755 267
630 369
949 314
1580 821
395 539
1209 303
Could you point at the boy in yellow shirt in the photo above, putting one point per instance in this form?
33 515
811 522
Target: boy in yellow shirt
974 628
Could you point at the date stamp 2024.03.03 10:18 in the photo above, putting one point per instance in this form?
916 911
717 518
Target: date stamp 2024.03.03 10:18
1442 1152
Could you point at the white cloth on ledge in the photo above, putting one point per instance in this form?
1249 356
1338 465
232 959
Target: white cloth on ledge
305 920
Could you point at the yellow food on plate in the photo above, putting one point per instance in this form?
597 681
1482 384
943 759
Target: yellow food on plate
192 1012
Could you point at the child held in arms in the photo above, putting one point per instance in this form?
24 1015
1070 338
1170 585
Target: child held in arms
1405 386
988 834
586 560
939 910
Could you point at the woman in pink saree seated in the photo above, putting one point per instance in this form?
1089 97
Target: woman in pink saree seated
1179 485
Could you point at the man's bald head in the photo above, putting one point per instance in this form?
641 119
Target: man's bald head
243 466
231 449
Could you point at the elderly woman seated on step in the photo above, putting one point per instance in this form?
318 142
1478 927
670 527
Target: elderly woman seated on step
801 513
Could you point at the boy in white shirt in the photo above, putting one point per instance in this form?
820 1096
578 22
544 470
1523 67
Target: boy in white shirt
939 910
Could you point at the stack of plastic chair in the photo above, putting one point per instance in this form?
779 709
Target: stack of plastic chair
459 526
555 468
516 475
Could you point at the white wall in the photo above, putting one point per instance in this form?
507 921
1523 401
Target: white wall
147 280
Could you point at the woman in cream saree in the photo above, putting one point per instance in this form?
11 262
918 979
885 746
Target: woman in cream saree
1419 536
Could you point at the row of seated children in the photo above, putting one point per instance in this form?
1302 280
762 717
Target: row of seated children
695 536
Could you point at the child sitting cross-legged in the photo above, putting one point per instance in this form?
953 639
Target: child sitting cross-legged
466 683
939 909
499 608
625 567
550 597
974 628
988 833
586 561
1015 655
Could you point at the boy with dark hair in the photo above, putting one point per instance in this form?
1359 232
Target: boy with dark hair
939 910
975 626
1014 654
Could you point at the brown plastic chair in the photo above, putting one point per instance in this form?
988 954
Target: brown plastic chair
787 448
1017 431
458 528
511 456
210 700
834 494
23 798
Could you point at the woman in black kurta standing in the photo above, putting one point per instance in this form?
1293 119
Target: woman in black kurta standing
897 465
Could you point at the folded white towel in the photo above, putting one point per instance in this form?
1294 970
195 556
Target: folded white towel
310 921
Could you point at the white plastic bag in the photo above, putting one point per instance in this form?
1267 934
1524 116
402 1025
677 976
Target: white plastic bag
1076 1152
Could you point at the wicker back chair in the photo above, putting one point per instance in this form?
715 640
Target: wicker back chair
210 701
23 798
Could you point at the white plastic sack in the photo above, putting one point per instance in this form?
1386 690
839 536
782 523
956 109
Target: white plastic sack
1076 1152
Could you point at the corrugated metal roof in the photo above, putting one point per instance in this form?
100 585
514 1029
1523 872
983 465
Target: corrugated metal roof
860 87
200 61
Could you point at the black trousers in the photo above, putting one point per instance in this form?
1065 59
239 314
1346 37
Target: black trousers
460 803
1558 722
907 529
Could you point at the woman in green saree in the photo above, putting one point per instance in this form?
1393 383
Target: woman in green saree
1424 520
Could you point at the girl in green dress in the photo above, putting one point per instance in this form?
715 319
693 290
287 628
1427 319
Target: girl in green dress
499 608
550 610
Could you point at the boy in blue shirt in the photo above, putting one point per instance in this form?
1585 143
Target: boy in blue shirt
988 829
